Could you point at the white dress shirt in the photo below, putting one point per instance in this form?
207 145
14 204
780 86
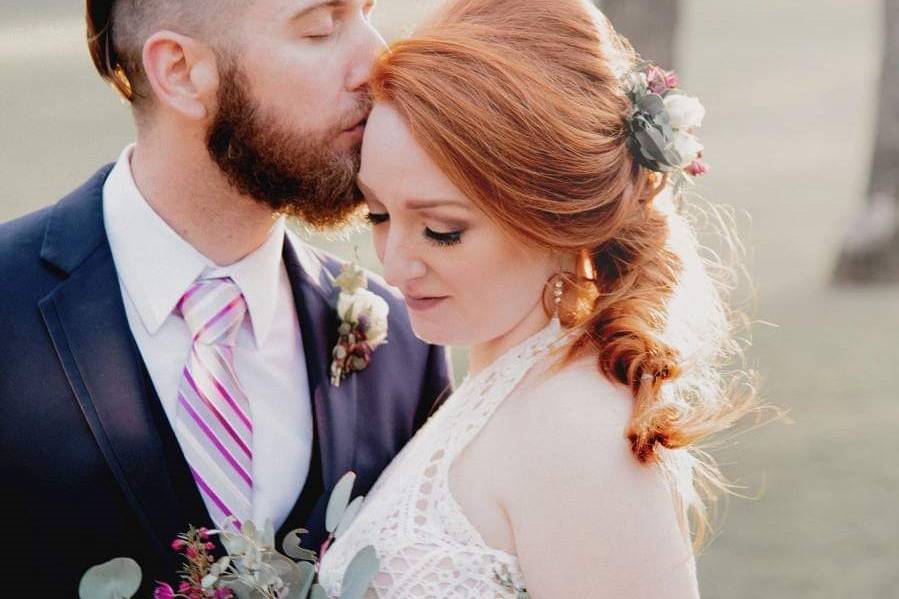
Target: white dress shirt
155 268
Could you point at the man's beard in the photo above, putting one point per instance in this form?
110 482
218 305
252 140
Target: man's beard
296 174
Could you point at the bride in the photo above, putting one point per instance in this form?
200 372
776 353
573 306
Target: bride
519 205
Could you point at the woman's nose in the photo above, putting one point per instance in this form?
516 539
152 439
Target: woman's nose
401 264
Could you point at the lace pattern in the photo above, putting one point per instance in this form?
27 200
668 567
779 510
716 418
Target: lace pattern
427 546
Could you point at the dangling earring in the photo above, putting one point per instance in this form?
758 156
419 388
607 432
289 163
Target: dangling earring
556 285
572 295
558 292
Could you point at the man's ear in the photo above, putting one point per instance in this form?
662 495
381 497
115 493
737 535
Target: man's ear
183 74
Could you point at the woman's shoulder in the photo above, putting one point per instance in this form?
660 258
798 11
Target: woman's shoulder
575 399
574 476
572 423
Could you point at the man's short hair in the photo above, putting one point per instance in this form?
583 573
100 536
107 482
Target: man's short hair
118 29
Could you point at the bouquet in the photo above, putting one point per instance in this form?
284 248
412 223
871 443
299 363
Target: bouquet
252 568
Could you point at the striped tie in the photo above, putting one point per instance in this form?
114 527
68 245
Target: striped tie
213 417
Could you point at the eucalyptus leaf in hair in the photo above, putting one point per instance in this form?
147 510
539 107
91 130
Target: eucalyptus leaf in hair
652 141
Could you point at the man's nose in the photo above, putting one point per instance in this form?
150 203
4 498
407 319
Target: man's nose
368 46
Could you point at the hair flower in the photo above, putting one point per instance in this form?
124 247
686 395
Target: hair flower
662 124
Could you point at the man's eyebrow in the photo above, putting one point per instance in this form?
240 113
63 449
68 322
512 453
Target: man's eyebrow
315 5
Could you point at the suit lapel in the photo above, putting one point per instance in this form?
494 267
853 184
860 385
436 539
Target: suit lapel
334 408
85 318
86 321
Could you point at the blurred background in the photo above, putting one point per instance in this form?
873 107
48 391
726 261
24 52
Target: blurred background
792 90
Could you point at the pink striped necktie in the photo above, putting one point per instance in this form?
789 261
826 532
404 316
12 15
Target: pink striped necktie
213 422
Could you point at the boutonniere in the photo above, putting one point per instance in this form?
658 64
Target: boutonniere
363 324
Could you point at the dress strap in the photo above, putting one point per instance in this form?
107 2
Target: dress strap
481 395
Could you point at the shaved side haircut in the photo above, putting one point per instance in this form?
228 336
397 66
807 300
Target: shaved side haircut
118 29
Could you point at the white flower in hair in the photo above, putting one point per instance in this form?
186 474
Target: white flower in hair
688 146
684 112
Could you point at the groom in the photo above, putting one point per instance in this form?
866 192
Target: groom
166 343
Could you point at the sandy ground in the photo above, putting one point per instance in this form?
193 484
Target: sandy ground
790 87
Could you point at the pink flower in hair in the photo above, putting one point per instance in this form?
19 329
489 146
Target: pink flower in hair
660 80
697 168
671 80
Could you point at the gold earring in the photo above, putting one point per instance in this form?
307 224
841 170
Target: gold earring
585 269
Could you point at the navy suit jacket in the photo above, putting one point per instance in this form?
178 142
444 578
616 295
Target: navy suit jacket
91 469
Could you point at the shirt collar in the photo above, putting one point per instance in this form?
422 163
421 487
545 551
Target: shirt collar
157 266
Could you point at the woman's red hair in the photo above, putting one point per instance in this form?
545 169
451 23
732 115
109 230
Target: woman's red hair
520 103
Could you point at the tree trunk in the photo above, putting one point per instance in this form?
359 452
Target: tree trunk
871 249
650 25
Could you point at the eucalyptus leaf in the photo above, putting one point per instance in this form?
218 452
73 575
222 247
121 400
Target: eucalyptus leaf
360 573
242 590
349 515
248 529
292 546
291 574
268 534
119 578
307 579
652 105
318 592
234 543
340 498
652 144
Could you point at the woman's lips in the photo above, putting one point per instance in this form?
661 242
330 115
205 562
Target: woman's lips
421 304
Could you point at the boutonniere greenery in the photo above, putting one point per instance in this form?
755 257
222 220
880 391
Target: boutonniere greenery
363 324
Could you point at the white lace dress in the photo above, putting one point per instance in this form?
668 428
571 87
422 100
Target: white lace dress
427 546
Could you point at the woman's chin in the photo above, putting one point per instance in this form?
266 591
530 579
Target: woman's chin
438 334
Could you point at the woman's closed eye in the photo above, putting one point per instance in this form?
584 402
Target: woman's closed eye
443 239
436 237
376 218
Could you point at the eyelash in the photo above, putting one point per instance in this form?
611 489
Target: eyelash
443 239
439 239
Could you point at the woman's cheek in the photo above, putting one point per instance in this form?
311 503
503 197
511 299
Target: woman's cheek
379 238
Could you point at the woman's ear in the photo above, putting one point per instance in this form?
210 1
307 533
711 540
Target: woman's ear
183 74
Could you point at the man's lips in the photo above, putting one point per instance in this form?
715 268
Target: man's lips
358 122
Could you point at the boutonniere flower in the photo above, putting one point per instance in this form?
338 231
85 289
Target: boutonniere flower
363 324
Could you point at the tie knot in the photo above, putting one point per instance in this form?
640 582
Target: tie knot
213 310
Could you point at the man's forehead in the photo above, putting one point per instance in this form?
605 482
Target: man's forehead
287 9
